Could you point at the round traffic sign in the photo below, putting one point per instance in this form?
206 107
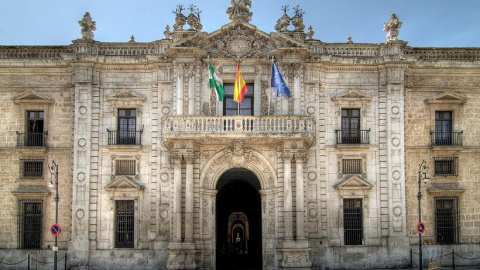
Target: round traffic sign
55 229
421 227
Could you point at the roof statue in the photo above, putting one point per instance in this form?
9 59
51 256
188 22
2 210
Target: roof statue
391 27
284 21
297 19
180 19
240 10
194 18
88 26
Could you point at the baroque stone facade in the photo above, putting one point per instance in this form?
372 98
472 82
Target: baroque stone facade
154 174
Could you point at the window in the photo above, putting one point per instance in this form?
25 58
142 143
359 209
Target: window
446 220
443 128
125 167
353 221
35 129
350 126
230 107
31 168
446 166
30 224
124 224
352 166
127 126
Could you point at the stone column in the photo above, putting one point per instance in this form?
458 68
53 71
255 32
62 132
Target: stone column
177 198
189 198
300 202
180 94
287 194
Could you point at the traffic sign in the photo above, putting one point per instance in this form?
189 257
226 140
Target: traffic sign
55 229
421 227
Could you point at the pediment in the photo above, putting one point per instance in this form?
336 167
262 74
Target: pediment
354 182
32 97
237 40
123 183
125 95
352 95
447 98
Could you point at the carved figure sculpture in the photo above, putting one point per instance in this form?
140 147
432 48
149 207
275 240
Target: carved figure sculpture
240 10
297 19
88 26
391 27
180 19
284 21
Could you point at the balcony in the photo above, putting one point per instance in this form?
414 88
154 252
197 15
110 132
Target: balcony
347 136
124 137
268 127
37 139
447 138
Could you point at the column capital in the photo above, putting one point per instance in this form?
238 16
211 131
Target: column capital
301 157
287 156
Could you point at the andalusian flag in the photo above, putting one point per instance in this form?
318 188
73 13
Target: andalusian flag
216 83
240 86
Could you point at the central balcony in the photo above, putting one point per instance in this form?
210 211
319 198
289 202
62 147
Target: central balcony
270 127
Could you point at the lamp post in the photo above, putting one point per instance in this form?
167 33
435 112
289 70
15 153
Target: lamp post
422 174
53 167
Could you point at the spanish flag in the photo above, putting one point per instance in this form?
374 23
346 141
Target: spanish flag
240 86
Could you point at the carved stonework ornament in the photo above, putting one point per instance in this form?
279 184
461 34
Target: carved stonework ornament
240 10
180 19
238 154
241 43
391 27
297 20
210 108
88 26
310 32
267 104
194 18
167 33
284 21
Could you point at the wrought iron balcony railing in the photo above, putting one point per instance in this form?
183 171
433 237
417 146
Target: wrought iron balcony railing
348 136
32 139
124 137
302 126
447 138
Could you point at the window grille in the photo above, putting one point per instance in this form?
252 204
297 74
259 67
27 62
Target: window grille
352 166
125 167
30 224
446 220
446 166
353 221
124 227
31 168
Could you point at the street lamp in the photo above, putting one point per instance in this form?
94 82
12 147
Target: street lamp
422 174
53 167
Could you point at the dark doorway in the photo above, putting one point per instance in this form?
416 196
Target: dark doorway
239 221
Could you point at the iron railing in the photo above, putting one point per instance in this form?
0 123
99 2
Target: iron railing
124 137
349 136
353 221
32 139
31 168
30 225
446 166
447 138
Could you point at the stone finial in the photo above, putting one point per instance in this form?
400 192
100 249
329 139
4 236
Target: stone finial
391 27
194 18
349 40
180 19
284 21
132 39
240 10
310 32
297 19
167 33
88 26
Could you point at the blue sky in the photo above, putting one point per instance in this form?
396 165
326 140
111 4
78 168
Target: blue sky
426 23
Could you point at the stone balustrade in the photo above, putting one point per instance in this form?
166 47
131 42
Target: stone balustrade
297 126
347 50
435 54
33 52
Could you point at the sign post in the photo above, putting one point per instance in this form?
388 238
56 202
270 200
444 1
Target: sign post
421 227
55 229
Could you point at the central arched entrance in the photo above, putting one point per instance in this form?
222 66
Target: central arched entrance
239 221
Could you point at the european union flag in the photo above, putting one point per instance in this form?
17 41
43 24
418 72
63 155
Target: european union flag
277 81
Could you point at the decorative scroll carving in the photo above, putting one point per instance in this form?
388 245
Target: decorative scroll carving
240 10
206 217
267 105
238 154
88 26
391 27
271 215
210 108
240 42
